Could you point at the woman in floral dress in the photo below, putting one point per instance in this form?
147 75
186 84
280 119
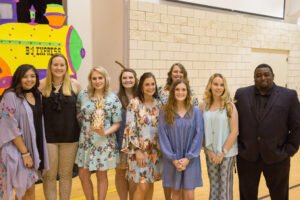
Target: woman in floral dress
99 113
177 71
140 140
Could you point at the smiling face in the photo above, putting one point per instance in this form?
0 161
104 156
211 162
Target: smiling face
176 73
28 81
58 67
149 87
180 92
263 78
128 80
217 87
97 81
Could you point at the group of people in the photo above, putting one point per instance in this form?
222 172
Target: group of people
146 133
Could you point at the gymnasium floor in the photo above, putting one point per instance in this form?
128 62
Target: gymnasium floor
200 193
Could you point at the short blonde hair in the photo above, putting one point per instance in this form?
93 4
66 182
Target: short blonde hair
104 73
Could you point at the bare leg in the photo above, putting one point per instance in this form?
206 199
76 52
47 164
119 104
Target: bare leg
86 183
102 184
132 189
149 194
176 194
141 191
30 193
188 194
121 183
167 192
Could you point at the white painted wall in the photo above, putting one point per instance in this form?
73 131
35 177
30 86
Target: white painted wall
80 16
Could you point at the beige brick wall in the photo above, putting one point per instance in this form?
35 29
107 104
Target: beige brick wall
206 42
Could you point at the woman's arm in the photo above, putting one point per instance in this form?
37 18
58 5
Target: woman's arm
75 86
233 124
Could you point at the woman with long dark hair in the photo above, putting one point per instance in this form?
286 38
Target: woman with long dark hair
141 138
23 148
127 90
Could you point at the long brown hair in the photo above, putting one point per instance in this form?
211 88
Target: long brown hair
225 98
121 93
140 93
169 79
171 106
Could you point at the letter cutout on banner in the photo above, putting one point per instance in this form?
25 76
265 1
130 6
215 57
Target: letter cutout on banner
33 43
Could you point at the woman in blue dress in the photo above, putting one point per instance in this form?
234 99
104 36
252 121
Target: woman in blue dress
180 137
99 113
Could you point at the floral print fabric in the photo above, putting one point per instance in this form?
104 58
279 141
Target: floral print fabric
141 132
163 95
97 152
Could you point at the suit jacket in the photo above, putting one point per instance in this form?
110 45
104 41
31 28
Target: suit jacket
276 135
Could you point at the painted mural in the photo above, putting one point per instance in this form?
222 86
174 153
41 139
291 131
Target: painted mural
34 43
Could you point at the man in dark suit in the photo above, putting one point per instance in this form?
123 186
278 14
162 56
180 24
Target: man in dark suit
269 134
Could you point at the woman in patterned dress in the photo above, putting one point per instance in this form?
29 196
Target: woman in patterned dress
140 139
127 90
177 71
99 113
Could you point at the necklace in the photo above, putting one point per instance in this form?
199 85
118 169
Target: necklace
57 85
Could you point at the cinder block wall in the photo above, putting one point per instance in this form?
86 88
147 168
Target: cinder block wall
205 42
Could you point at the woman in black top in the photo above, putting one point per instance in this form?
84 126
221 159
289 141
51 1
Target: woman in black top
62 129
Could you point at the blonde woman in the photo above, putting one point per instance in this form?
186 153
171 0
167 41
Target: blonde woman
99 113
61 126
221 131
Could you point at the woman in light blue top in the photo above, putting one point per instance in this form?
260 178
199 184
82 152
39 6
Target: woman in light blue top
220 135
99 114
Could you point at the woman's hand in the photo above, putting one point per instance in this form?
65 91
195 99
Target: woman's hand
27 160
212 156
98 131
140 158
178 165
219 158
184 162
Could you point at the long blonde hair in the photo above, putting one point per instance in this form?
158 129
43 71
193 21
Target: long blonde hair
171 105
225 97
104 73
66 85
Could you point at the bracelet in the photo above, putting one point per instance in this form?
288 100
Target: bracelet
25 154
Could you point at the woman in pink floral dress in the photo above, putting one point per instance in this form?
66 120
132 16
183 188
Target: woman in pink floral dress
140 140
